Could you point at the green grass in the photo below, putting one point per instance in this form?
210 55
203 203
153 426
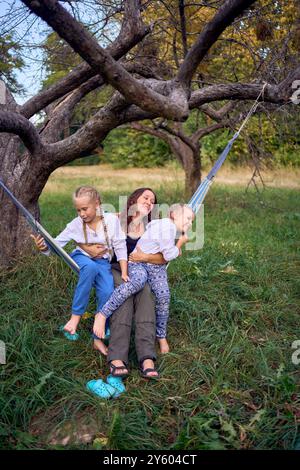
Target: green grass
229 382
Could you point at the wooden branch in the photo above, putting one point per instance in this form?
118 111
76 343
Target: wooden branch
217 114
150 130
132 32
277 94
101 61
14 123
61 113
225 15
200 133
181 7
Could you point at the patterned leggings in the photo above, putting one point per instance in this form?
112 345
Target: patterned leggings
140 274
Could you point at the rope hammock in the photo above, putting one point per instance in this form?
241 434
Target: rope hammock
195 202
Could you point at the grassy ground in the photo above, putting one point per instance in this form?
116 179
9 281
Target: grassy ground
229 381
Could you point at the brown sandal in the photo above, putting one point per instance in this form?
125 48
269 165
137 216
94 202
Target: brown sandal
114 368
145 372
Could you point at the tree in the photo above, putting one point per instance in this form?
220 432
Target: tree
10 61
139 94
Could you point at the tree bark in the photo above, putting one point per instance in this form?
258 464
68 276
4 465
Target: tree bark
191 163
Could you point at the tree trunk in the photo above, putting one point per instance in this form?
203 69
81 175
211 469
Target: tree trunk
17 165
189 158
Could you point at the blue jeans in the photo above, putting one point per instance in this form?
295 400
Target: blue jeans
93 273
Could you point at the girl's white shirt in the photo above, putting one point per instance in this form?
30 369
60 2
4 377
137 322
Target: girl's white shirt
159 237
74 231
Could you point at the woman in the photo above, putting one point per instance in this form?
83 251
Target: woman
141 307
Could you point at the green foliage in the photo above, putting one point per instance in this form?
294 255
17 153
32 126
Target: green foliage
10 61
59 59
125 147
90 160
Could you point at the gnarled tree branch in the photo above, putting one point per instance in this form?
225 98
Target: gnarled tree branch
132 32
100 60
14 123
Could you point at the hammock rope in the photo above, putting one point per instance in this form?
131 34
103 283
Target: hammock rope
195 202
200 193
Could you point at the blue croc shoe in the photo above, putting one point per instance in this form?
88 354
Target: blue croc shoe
101 389
107 333
69 336
118 385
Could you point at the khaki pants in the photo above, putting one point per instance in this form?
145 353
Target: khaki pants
141 308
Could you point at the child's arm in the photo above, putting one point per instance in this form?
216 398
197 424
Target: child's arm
124 269
120 247
181 241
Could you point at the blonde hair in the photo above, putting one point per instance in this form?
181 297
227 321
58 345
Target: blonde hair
94 195
177 207
88 191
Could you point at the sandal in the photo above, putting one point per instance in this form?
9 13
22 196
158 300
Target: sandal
145 372
101 389
68 335
117 384
114 368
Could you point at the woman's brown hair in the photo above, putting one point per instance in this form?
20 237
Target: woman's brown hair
126 216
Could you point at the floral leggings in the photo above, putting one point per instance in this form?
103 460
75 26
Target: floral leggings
140 274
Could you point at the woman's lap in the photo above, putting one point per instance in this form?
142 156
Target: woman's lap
141 306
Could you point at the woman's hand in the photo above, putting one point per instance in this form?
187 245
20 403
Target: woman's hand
39 242
138 256
95 251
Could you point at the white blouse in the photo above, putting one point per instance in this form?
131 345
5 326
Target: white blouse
159 237
74 231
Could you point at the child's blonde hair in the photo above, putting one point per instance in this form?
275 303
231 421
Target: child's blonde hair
177 207
94 195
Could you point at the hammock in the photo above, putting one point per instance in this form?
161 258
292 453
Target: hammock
195 202
51 243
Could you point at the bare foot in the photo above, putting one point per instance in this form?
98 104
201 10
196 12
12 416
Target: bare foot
72 324
100 346
163 345
149 364
116 372
99 325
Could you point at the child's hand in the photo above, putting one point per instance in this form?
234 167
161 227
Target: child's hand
39 242
125 277
183 239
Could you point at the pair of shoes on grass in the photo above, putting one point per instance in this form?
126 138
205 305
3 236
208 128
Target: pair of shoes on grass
112 388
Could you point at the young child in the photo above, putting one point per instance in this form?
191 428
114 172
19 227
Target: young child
91 226
159 237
